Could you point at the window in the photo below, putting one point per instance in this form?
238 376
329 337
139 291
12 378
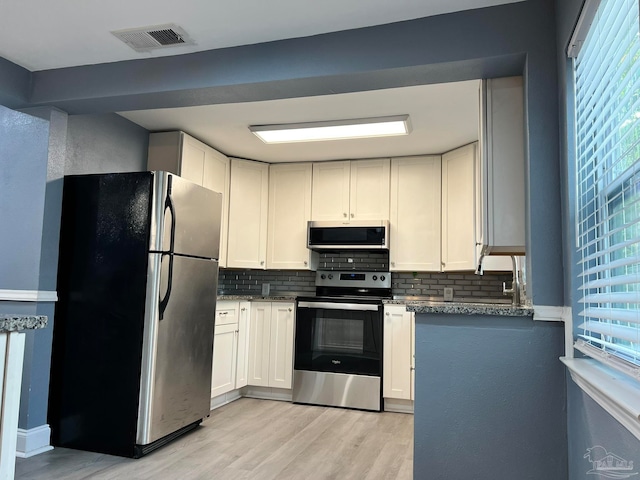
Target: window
607 104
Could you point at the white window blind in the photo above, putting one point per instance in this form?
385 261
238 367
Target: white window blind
607 85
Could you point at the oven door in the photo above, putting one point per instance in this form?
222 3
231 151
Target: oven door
339 337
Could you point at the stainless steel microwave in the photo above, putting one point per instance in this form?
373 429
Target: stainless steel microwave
355 235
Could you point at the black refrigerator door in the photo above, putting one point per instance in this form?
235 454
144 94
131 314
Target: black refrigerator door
99 318
187 217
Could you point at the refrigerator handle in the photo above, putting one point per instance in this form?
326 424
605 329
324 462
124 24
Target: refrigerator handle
164 301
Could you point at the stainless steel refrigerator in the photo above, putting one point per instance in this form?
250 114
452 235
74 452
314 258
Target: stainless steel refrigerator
134 323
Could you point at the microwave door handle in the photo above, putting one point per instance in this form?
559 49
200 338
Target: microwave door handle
340 306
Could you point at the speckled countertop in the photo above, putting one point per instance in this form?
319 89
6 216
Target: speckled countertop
414 305
14 323
256 298
454 308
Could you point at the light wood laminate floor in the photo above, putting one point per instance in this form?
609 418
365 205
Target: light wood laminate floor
256 439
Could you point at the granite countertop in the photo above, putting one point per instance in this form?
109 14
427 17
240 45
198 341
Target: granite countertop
267 298
462 308
14 323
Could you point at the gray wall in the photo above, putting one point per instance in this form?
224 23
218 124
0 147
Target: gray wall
489 399
512 39
588 424
38 147
105 143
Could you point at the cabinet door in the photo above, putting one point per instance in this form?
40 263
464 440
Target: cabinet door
397 355
289 212
216 177
369 196
259 340
458 209
281 345
414 243
502 130
330 195
242 364
249 197
223 376
165 152
193 159
413 354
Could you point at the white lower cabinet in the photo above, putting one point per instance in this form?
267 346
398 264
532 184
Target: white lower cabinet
229 371
271 344
242 364
398 353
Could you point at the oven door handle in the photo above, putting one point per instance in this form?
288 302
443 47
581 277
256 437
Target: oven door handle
340 306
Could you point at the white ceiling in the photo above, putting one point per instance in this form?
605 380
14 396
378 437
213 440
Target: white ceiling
46 34
443 117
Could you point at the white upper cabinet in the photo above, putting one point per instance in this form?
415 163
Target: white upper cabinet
248 208
351 190
180 153
459 209
289 212
369 198
502 150
414 243
331 187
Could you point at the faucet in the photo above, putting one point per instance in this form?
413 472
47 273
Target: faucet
514 291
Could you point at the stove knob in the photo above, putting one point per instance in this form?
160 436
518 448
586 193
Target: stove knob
375 277
330 276
323 276
382 278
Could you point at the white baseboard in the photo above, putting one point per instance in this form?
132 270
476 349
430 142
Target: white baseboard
33 441
398 406
268 393
224 399
28 296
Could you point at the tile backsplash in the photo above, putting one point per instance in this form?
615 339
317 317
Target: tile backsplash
466 286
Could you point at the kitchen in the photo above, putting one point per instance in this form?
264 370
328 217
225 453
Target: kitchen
542 263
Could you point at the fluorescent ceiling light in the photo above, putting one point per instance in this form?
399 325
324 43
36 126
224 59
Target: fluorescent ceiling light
333 130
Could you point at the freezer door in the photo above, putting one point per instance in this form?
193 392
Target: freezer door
187 217
178 345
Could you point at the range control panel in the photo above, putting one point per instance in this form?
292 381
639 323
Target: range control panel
350 278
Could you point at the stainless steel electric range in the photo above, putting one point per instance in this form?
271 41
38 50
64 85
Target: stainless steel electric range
338 346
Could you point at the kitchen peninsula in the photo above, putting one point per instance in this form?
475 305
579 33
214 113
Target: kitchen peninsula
11 358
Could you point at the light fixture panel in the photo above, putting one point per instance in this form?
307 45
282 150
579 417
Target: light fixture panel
333 130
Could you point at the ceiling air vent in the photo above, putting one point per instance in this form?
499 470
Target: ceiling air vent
158 36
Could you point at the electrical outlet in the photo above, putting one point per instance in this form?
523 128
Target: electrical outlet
448 294
266 287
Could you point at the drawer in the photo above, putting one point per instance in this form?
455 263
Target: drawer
226 316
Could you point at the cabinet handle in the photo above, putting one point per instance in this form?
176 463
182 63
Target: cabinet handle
262 262
352 215
242 309
344 214
387 314
443 264
393 264
305 263
290 309
223 313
